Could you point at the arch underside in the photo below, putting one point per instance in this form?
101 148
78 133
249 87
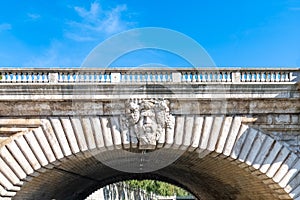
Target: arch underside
221 159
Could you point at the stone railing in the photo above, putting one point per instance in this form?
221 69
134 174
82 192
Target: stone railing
134 75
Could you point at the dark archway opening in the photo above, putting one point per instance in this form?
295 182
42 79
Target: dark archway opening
211 177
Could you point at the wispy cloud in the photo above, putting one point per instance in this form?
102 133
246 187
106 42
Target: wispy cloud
5 27
95 22
33 16
53 56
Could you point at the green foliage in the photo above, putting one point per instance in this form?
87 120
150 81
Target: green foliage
158 187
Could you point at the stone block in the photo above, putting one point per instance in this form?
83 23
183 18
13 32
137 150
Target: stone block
282 119
269 119
295 119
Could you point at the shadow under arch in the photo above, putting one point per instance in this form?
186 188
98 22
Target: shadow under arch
223 158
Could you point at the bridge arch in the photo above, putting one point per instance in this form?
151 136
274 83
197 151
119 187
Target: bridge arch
223 158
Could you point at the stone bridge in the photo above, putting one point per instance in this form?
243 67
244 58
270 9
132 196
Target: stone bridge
224 133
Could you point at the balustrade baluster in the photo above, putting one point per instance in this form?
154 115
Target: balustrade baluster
13 77
89 77
86 77
193 78
21 77
165 77
81 77
189 77
30 77
141 77
183 79
94 77
25 77
129 77
104 77
264 76
75 77
147 76
288 76
123 77
200 77
282 76
43 77
272 78
8 78
225 77
135 76
210 76
197 74
219 76
108 77
71 77
151 77
168 77
38 76
268 77
277 76
98 77
64 77
17 77
156 77
257 76
253 77
248 77
205 77
242 76
216 77
230 74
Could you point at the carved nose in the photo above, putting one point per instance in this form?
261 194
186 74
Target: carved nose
147 120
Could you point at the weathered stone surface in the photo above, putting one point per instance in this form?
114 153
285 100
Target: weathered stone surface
239 136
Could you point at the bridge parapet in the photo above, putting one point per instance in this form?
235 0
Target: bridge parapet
149 75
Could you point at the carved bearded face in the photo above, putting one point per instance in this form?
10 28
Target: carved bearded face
148 121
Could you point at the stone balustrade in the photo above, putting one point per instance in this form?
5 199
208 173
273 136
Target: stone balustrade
148 75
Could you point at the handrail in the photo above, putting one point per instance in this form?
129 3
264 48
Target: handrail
148 75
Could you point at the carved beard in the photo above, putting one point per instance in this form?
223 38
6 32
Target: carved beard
147 132
149 128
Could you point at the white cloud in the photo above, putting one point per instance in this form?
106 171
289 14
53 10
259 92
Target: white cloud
96 22
53 56
90 14
33 16
5 27
79 38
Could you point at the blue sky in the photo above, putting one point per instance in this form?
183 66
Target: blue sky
61 33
